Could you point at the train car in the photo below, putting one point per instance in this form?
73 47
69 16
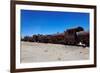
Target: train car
71 36
58 38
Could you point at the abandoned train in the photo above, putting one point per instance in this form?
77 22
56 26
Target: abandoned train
72 36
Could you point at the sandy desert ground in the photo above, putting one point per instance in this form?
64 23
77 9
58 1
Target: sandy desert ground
46 52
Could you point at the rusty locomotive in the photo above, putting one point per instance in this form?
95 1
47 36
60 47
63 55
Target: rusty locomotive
72 36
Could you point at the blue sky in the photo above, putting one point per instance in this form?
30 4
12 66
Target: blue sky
50 22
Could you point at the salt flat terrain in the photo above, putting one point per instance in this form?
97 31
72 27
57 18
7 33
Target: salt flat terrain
47 52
